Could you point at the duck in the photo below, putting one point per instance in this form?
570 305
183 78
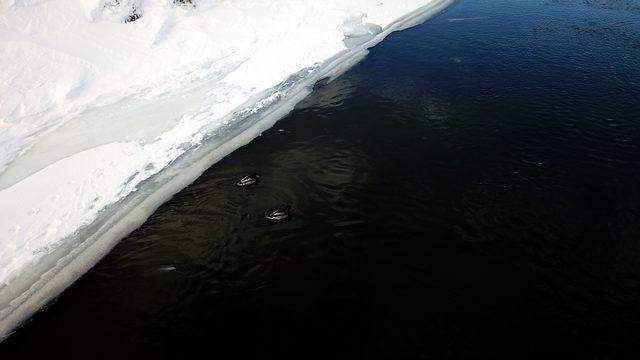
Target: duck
279 214
248 180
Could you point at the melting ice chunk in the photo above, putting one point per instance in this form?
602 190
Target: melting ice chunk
357 32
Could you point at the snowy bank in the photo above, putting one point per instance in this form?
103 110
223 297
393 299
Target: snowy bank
109 107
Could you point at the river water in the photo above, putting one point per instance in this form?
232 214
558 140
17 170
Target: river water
469 190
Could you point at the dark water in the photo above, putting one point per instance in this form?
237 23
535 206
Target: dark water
470 190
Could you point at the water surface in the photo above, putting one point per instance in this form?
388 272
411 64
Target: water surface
469 190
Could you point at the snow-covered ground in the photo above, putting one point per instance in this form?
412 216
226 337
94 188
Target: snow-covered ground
108 107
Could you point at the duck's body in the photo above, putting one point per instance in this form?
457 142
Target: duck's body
248 180
279 214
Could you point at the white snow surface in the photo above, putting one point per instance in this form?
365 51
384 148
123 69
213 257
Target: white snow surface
93 109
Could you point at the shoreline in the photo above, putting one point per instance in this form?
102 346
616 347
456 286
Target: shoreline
88 245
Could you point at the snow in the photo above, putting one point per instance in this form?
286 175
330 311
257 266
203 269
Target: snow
102 119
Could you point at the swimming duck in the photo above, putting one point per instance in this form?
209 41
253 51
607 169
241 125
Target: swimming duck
279 214
248 180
